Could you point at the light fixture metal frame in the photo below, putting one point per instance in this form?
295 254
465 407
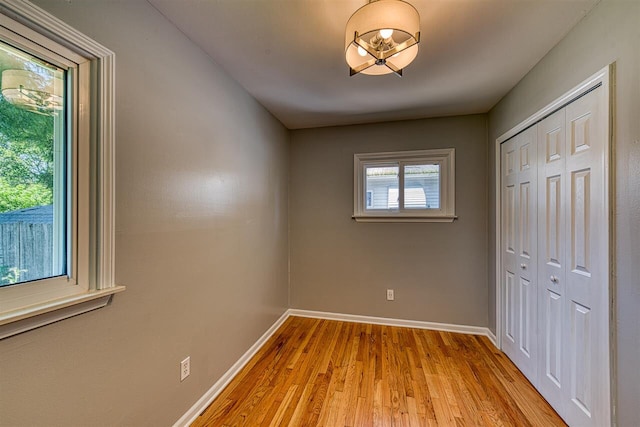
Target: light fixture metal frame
369 20
380 56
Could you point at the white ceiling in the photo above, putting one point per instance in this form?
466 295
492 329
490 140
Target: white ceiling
289 54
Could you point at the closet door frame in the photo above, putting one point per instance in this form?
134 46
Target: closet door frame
603 79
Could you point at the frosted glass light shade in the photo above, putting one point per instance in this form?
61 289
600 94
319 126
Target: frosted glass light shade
35 92
384 55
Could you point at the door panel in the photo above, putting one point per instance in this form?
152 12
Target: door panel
509 245
527 254
580 230
553 229
510 300
553 140
510 219
526 205
581 393
580 139
551 250
527 301
519 216
587 296
552 336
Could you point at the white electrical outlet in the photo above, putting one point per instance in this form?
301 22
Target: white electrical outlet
185 368
390 296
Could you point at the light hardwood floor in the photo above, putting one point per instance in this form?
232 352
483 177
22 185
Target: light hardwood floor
328 373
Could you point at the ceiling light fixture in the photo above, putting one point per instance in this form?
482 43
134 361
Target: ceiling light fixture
382 37
42 94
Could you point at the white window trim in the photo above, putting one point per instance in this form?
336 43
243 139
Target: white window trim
98 261
444 157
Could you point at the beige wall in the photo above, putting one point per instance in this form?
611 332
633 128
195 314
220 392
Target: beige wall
202 176
438 271
201 239
611 32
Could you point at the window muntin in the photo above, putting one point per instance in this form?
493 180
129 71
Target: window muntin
405 186
33 168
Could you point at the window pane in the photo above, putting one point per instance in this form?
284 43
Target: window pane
32 168
422 187
382 187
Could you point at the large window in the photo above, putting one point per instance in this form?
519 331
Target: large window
34 167
405 186
56 170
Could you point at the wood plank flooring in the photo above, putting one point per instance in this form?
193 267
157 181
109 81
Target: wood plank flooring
328 373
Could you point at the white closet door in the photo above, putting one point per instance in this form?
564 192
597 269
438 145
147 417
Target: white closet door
585 321
520 251
551 255
509 245
573 268
526 225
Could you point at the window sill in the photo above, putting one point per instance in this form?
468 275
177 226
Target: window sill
398 218
35 316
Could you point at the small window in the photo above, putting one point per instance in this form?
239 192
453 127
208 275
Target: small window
405 186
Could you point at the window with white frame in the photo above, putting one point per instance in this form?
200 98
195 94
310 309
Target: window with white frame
405 186
56 170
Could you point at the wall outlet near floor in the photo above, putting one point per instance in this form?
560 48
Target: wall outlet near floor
185 368
390 295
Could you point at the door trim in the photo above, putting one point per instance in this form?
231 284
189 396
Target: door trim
604 78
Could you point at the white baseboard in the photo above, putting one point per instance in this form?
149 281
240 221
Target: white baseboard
202 403
417 324
492 337
215 390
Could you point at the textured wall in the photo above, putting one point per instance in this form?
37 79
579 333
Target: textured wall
201 238
610 33
438 270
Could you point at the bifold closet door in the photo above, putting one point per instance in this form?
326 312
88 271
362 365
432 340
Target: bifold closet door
573 269
552 256
519 257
